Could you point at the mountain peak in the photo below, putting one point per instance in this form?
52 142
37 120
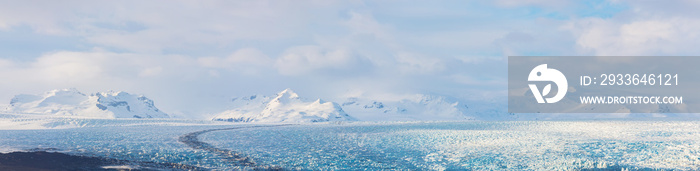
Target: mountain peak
113 93
71 102
287 93
64 91
286 107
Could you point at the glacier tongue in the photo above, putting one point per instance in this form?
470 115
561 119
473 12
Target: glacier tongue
71 102
286 106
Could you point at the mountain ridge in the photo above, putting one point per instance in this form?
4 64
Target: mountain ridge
285 106
71 102
261 108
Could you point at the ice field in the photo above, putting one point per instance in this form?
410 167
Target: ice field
517 145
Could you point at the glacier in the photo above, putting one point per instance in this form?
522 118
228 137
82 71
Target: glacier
287 131
412 145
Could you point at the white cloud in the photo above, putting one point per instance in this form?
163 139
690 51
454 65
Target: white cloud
5 64
545 3
212 50
154 26
470 80
303 59
247 61
69 66
647 28
43 17
168 79
151 72
94 68
674 36
415 63
365 23
245 56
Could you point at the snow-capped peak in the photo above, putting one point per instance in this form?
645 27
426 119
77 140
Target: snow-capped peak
65 91
285 96
415 107
71 102
287 93
286 106
113 93
60 96
125 105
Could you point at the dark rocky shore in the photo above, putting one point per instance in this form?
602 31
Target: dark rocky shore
41 160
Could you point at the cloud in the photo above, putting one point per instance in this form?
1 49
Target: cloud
167 79
77 68
213 50
42 17
69 66
645 28
304 59
151 72
246 60
639 36
366 24
415 63
545 3
153 27
4 63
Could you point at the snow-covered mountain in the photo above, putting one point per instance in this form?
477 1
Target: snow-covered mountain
416 107
285 106
71 102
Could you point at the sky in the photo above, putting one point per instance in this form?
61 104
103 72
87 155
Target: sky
191 57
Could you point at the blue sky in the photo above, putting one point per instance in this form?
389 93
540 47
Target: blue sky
192 56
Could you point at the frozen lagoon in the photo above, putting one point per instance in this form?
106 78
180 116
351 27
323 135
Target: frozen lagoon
507 145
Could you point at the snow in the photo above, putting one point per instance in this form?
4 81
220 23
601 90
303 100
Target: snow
288 106
473 145
417 107
285 106
56 121
125 105
415 145
71 102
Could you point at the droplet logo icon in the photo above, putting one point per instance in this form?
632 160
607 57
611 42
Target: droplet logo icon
542 73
